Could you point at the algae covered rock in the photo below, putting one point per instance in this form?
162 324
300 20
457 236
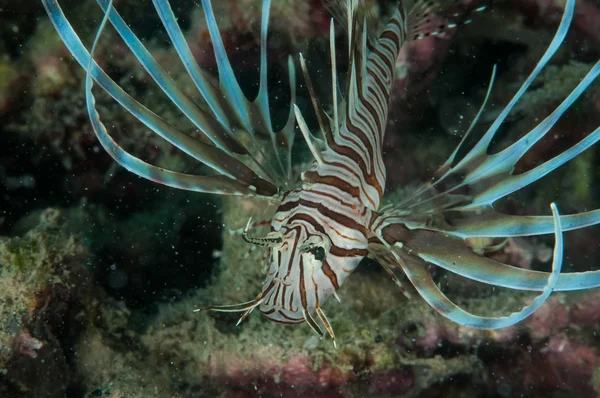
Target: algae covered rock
41 281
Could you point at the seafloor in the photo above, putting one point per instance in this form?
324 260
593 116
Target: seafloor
100 270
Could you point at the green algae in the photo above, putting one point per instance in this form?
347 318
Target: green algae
38 274
19 253
554 84
37 257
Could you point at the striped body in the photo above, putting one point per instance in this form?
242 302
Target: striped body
332 212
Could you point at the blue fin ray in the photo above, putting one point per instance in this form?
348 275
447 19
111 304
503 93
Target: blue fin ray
477 165
215 126
219 134
501 164
489 177
227 79
215 158
490 223
242 108
451 253
513 183
204 86
211 184
281 140
423 282
482 146
414 265
219 103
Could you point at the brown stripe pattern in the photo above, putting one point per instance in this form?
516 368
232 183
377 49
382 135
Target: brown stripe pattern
360 140
325 224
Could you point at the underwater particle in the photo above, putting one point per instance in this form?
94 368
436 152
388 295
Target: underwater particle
117 279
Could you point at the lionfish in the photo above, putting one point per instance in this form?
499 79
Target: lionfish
333 218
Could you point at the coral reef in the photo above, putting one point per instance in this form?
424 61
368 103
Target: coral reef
42 285
388 346
96 299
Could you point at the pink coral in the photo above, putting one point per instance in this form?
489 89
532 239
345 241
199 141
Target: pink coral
542 353
292 377
571 364
394 382
28 345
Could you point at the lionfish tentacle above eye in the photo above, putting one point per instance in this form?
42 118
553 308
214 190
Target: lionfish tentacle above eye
241 169
249 305
274 239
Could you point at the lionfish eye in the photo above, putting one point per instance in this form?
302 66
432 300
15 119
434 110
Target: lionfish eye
318 252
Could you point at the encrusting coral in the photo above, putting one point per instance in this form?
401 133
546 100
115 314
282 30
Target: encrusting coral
388 345
42 281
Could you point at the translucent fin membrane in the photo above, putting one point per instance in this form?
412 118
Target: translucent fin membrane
415 267
243 169
489 177
421 279
453 255
430 226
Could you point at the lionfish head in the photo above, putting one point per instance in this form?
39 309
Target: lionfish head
306 268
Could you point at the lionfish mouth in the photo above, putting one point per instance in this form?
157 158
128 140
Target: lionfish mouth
277 306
